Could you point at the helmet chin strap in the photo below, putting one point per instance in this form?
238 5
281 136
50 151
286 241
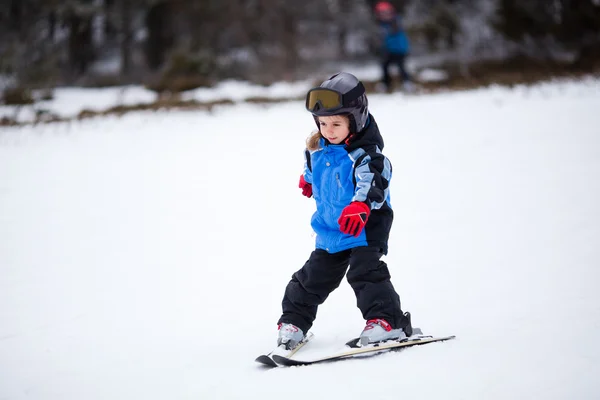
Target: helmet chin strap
347 140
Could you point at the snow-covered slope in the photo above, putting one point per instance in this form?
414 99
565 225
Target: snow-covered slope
146 256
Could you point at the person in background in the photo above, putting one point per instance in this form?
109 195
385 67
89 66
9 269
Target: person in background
348 176
394 44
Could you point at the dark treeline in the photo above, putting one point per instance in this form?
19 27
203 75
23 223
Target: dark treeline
189 43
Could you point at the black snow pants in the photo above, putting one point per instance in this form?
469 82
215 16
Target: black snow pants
323 273
399 60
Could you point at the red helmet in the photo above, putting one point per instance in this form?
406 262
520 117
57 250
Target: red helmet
384 6
385 10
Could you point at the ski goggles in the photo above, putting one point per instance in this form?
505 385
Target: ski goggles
329 100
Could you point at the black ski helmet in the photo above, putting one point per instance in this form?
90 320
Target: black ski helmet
351 100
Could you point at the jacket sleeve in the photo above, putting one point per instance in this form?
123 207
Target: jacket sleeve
372 174
307 167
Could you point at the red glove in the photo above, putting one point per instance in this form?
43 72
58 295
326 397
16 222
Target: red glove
354 217
305 186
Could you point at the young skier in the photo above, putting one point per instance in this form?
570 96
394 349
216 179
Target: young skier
394 46
349 178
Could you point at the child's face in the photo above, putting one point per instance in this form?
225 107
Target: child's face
386 16
335 128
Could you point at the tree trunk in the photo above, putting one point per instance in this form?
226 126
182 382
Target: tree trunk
160 34
126 38
80 42
290 43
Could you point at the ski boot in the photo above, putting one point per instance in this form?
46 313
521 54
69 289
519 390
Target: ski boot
379 330
289 336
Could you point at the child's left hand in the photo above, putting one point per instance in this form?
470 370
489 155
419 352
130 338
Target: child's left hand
354 218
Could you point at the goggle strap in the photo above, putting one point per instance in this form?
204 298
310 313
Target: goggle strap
355 93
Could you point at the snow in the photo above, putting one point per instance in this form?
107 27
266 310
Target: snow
68 102
432 75
146 256
240 90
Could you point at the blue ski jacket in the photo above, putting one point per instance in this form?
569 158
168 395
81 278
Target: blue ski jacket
341 174
395 40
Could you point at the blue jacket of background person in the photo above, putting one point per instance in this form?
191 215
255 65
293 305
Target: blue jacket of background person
341 174
395 40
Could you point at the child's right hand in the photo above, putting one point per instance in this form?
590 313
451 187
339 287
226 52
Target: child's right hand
305 186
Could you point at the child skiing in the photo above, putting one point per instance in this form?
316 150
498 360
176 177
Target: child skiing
349 178
395 46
